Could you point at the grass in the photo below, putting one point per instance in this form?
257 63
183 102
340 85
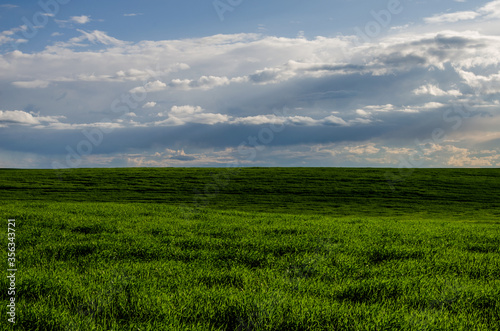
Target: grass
274 249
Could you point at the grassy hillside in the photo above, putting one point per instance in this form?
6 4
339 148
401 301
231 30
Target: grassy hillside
274 249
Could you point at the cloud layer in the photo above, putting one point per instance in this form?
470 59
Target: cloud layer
252 99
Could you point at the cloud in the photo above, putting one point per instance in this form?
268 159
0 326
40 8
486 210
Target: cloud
56 34
8 36
96 36
180 115
19 117
259 120
32 84
132 14
463 157
8 6
430 105
362 149
83 19
484 84
362 103
489 11
185 110
332 119
452 17
154 86
272 75
435 91
150 104
380 108
204 82
69 23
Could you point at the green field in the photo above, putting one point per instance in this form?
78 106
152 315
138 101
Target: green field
253 249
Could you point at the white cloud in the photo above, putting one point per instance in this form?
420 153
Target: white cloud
452 17
132 14
430 105
96 36
259 120
362 112
435 91
204 82
23 118
83 19
482 84
180 115
489 11
400 27
150 104
380 108
68 126
185 110
334 120
8 36
154 86
374 110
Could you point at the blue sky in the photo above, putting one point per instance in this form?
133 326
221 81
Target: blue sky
250 83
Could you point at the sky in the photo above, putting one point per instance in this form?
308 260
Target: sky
223 83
